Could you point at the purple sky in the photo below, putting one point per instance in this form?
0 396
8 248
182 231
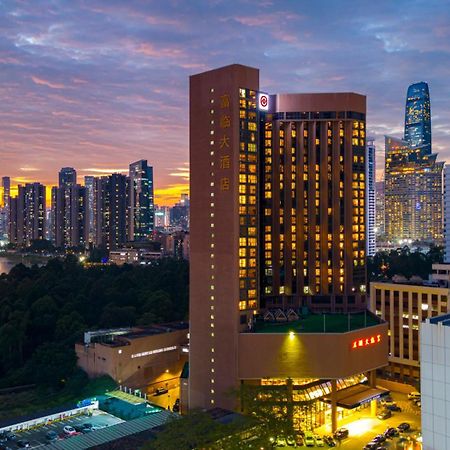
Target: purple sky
97 84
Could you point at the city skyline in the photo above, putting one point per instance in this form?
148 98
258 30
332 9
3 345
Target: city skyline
110 81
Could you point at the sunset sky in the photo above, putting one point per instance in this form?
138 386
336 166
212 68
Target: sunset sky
98 84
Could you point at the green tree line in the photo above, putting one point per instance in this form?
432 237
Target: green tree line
45 310
386 264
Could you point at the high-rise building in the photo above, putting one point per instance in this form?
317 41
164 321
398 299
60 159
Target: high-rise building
69 219
179 213
418 118
447 212
4 216
162 217
379 210
27 212
413 194
141 206
89 185
67 177
370 196
278 227
110 211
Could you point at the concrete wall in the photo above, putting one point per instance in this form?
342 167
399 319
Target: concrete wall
267 355
118 363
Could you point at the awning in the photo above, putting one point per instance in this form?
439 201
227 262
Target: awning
355 396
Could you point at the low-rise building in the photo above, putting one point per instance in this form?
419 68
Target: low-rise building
133 256
404 306
138 358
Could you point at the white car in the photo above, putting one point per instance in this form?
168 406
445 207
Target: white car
281 441
319 441
414 395
309 440
69 430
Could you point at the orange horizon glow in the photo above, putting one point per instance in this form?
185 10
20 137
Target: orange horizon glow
165 196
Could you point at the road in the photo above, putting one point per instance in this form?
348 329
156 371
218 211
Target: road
363 428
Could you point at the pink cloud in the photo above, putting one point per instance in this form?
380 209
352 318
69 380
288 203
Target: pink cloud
42 82
148 49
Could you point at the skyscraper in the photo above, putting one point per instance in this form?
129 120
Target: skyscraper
141 205
89 185
418 118
447 212
27 212
413 177
110 211
69 214
370 196
278 226
413 194
379 210
4 219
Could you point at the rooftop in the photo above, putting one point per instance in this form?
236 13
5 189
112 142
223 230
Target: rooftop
444 320
320 323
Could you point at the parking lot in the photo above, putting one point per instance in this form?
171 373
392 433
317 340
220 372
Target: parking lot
363 428
37 438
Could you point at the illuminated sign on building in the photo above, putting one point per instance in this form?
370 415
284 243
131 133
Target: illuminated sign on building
153 352
366 342
263 102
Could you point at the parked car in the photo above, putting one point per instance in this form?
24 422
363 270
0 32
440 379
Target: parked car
309 440
383 415
319 441
391 432
371 446
394 407
290 441
329 441
69 430
10 436
413 395
404 426
341 433
379 439
22 443
281 441
51 435
161 391
299 440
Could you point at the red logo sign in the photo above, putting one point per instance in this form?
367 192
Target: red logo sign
366 342
263 102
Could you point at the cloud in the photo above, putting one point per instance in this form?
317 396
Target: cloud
99 84
42 82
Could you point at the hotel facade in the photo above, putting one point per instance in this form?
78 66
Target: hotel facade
278 247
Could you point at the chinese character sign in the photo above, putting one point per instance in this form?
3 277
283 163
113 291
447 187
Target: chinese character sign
366 342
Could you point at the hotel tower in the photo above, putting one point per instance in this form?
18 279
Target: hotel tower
278 242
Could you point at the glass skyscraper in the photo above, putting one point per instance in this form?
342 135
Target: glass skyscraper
418 118
413 177
140 202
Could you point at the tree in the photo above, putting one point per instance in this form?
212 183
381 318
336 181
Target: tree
52 364
197 430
